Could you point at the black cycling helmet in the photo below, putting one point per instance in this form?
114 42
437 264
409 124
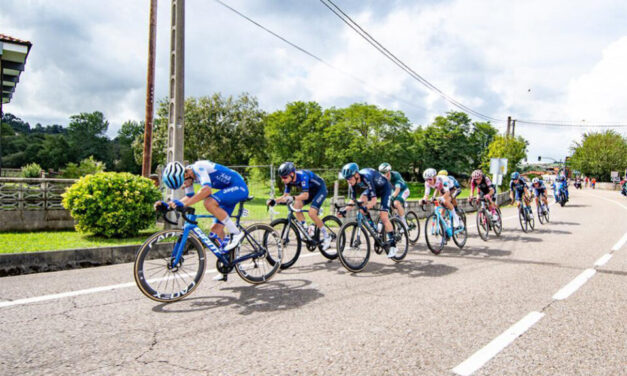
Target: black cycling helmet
286 168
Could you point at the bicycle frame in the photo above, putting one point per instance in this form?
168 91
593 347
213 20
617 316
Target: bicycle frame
365 221
438 213
291 218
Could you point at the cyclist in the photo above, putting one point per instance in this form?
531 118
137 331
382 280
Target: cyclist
456 188
442 185
401 191
210 175
560 182
376 186
518 189
485 189
539 190
313 191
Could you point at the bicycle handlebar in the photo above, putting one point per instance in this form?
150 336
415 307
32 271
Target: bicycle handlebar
183 210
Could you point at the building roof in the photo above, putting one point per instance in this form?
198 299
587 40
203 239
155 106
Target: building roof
13 54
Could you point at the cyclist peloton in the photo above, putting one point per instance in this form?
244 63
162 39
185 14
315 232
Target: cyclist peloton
221 204
442 185
376 186
518 189
485 189
539 190
313 191
401 191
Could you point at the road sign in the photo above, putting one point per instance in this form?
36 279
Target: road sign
498 166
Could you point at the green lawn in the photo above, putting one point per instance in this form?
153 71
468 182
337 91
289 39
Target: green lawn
16 242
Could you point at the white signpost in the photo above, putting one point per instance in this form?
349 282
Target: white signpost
498 168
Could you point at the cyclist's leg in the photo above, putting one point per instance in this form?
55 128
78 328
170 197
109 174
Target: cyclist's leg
214 208
386 197
448 203
227 199
298 204
316 203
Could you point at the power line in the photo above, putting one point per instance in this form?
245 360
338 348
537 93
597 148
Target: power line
316 57
384 51
573 124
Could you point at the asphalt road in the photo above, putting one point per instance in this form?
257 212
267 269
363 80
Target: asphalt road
503 307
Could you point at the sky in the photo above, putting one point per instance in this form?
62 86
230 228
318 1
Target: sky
559 60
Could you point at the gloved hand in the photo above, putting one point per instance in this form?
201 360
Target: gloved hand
270 202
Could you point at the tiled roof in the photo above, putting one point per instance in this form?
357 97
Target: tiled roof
7 38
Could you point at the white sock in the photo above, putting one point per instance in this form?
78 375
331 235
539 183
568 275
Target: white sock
324 232
228 223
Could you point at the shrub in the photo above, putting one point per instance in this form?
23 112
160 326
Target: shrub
112 204
86 167
32 170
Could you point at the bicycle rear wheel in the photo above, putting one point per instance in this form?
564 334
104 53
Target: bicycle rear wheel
353 247
290 241
530 219
434 234
482 224
401 239
154 273
460 236
332 224
540 215
546 214
413 226
264 243
497 225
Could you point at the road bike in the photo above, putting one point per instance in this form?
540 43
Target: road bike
438 229
560 196
525 216
293 233
487 218
171 263
353 245
413 223
543 211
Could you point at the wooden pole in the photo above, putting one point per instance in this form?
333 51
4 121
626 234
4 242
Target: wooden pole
150 89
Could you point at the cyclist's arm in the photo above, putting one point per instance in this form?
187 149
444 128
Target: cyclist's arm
204 192
397 190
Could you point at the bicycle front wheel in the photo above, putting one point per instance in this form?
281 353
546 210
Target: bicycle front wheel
482 224
531 220
434 234
540 215
332 224
497 225
155 274
401 239
353 247
522 217
290 241
413 226
263 244
460 235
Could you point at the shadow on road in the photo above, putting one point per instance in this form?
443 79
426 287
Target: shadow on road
410 268
271 296
577 206
565 223
331 265
548 230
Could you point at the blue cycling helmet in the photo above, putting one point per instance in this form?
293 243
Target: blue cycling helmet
173 175
515 175
349 170
286 168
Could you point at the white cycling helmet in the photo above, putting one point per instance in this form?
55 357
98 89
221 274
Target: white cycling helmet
476 174
535 180
429 173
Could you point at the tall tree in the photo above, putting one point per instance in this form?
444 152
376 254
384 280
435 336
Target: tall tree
87 136
599 153
122 147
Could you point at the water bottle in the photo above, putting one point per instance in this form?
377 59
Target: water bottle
311 230
379 226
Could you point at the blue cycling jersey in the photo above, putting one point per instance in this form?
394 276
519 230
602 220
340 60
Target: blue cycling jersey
519 187
375 184
306 180
455 182
214 175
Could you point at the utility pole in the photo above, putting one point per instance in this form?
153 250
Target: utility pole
513 127
509 124
1 102
150 89
177 88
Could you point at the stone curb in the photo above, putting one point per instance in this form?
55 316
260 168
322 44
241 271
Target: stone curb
36 262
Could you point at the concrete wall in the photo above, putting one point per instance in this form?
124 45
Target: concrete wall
33 220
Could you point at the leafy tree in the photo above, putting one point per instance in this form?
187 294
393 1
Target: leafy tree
599 153
512 148
122 149
88 166
54 151
87 136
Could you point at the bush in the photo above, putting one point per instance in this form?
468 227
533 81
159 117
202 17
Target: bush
86 167
32 170
112 204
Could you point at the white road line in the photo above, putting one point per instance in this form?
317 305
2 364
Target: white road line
575 284
607 199
478 359
604 259
620 243
68 294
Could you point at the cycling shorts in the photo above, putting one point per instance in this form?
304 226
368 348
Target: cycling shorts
455 192
385 194
402 196
227 198
538 192
317 197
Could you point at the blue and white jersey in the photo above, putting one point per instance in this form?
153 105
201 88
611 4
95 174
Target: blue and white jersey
214 176
374 183
518 187
306 180
454 182
541 187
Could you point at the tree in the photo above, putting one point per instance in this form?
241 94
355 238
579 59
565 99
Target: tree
599 153
54 152
512 148
122 147
87 137
226 130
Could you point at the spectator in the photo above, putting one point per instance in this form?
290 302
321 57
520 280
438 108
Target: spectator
593 182
586 182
